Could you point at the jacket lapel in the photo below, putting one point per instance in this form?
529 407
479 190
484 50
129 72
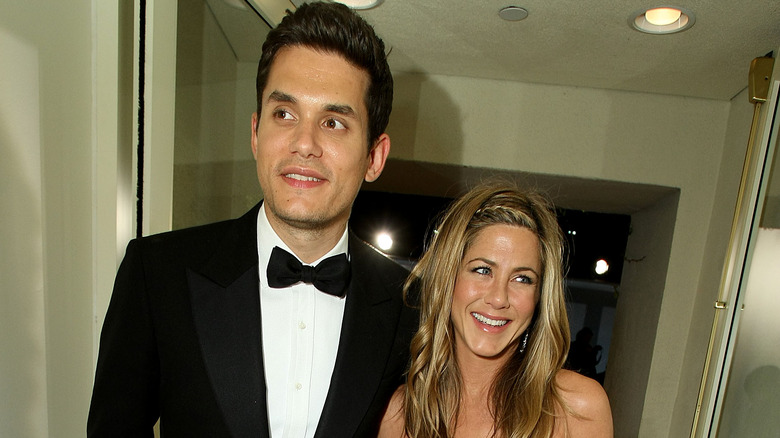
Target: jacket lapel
367 335
226 312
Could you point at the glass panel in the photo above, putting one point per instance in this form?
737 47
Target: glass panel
218 46
752 400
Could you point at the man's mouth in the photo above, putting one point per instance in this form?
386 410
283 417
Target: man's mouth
491 322
298 177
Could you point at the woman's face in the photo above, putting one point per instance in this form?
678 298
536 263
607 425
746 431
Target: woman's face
496 291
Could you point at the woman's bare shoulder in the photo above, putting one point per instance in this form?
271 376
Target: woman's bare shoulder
590 414
392 425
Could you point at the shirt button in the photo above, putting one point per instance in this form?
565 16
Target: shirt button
298 386
301 325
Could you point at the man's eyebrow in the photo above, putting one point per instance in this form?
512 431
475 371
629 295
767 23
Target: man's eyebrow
278 96
344 110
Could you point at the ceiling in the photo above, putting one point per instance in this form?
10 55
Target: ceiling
583 43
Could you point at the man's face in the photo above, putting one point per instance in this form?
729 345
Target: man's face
310 139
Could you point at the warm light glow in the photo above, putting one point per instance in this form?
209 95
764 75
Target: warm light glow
602 267
662 16
384 241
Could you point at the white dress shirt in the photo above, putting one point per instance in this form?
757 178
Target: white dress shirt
301 327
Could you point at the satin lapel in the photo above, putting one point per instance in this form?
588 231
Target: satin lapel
367 334
226 312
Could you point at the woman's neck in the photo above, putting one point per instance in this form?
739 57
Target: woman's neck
477 373
475 416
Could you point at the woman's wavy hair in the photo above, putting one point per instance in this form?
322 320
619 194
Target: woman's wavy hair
334 28
523 398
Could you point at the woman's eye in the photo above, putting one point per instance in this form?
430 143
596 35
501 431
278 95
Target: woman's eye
524 279
482 270
334 124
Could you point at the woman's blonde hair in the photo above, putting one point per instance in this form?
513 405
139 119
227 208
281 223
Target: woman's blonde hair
524 397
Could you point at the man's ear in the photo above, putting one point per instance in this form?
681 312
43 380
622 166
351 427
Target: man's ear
377 157
255 121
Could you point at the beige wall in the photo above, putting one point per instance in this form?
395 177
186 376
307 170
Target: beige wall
721 216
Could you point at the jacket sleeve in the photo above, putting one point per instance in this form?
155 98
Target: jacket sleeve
125 394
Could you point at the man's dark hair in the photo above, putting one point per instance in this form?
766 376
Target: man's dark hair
335 28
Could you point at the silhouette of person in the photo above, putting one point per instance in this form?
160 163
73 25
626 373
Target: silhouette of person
584 357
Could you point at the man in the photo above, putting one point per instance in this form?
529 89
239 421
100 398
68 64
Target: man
205 331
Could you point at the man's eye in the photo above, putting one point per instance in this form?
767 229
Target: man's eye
334 124
283 114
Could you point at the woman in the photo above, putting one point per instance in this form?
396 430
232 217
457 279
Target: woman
487 359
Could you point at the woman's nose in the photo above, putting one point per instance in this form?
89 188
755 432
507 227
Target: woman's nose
497 296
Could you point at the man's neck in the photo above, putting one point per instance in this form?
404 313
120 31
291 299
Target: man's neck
309 244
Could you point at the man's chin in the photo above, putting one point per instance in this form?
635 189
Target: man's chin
304 223
303 218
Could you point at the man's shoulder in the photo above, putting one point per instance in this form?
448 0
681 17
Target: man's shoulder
205 238
185 239
189 233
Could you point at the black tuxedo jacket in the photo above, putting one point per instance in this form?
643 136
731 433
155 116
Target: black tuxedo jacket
181 340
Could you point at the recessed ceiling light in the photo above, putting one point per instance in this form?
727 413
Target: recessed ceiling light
513 13
662 16
662 20
360 4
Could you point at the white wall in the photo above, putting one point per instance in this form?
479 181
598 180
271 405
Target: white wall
56 242
22 328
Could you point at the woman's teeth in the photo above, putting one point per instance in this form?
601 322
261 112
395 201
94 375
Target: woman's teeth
488 321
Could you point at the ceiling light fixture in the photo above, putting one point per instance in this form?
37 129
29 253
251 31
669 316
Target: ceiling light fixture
662 20
360 4
662 16
272 11
513 13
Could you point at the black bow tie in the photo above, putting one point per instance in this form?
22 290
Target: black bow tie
330 275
